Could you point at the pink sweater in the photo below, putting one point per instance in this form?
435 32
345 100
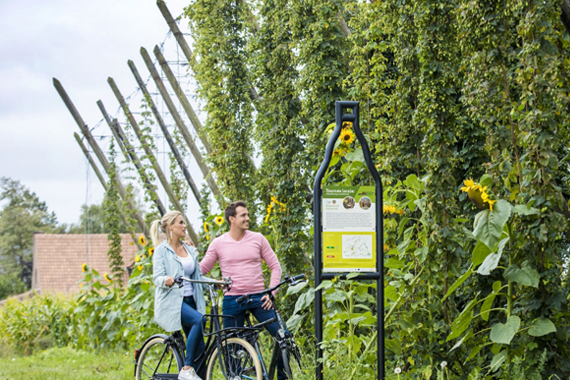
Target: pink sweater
241 260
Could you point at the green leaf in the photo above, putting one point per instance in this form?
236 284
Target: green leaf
460 341
504 333
297 288
524 210
497 285
480 252
394 346
458 282
486 180
355 155
460 325
394 263
488 226
524 276
304 300
541 327
390 292
487 304
490 263
498 360
474 351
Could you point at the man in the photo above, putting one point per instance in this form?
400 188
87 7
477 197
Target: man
240 253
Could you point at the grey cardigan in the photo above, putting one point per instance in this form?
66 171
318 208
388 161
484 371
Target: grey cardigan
168 299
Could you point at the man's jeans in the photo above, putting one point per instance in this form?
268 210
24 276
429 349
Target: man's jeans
231 307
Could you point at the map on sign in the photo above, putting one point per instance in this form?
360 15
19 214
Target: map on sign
356 246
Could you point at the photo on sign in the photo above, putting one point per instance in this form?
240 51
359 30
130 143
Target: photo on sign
365 203
348 203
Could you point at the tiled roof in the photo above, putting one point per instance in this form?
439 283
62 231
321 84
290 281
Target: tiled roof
58 259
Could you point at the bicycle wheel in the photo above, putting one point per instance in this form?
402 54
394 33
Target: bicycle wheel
158 361
288 353
236 360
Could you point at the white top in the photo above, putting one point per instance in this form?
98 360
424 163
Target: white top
189 266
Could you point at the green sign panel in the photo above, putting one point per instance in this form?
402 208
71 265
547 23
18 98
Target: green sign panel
349 229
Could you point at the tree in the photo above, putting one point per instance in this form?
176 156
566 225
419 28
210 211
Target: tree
92 221
22 215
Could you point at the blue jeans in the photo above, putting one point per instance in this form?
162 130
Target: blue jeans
231 307
192 326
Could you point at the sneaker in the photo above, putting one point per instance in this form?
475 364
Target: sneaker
188 374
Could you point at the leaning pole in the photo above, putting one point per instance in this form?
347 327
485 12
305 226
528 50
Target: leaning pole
104 184
162 178
98 151
167 135
180 123
130 155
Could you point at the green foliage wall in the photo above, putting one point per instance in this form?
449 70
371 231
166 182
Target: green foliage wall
449 90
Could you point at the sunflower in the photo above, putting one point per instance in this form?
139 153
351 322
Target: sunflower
142 240
107 277
84 267
346 136
151 251
219 220
137 258
205 227
269 209
389 209
478 195
140 267
346 125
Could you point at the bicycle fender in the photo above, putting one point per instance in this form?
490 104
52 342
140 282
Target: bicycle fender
142 347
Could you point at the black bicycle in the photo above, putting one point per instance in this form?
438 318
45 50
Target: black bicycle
284 342
227 354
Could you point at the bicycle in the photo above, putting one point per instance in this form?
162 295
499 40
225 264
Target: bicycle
284 340
226 355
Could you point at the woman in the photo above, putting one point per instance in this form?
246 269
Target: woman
178 308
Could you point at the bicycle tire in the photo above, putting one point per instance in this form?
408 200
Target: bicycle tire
158 361
239 359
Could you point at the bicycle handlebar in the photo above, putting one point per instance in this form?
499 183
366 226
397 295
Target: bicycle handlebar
227 282
292 281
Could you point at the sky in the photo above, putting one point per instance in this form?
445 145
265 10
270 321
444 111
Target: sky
81 43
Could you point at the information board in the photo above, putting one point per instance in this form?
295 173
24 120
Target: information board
349 229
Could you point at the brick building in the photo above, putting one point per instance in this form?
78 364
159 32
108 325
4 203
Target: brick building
58 259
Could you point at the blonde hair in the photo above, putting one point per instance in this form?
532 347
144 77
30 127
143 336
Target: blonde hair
167 219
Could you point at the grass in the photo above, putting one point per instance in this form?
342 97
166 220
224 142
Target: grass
66 363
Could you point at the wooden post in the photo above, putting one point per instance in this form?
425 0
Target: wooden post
97 150
169 139
152 158
130 155
183 100
184 45
180 123
104 184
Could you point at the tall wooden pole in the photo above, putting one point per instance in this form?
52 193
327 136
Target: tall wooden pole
183 100
97 150
184 45
180 123
130 155
152 158
167 135
104 184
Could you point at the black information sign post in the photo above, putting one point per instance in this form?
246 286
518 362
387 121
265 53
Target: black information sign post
342 115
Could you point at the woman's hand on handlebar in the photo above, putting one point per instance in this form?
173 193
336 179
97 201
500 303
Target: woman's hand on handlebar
169 281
